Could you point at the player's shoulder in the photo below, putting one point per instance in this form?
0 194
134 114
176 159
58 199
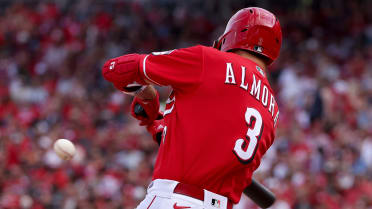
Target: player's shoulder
200 51
199 48
191 49
208 49
214 54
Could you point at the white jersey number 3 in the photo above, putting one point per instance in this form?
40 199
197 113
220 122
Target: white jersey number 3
245 149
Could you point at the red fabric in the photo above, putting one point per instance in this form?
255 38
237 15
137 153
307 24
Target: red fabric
181 69
103 21
61 179
205 117
12 155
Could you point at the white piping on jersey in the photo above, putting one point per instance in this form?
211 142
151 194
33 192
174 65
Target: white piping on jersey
170 100
144 71
166 112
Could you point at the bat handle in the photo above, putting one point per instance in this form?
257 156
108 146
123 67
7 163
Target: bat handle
261 195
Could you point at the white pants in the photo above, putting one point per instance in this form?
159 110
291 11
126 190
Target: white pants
160 195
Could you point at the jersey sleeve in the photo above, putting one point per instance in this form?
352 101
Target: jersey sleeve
180 68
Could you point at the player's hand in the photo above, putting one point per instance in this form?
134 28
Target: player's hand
151 108
156 130
123 70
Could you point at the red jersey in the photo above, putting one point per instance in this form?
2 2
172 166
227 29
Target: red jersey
220 118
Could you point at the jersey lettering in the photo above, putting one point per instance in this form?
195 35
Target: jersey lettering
276 118
229 74
272 105
246 149
255 88
258 89
245 87
265 95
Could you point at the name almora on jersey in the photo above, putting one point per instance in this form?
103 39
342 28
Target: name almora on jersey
261 94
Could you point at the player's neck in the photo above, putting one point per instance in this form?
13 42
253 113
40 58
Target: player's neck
253 58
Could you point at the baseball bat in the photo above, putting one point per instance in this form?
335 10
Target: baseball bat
257 192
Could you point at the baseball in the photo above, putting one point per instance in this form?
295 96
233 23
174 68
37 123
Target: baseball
65 149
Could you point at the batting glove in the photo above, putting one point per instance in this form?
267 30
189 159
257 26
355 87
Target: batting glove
150 107
156 130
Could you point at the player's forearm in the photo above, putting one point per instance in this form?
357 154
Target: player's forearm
148 93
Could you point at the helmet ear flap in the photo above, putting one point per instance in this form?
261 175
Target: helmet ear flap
217 45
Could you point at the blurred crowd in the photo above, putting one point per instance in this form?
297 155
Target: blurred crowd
51 53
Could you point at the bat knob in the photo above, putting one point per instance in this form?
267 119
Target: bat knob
138 110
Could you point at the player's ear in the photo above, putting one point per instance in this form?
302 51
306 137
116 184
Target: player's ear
216 45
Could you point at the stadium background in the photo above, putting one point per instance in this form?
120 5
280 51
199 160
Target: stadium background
51 53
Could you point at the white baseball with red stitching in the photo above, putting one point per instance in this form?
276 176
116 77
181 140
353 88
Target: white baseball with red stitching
65 149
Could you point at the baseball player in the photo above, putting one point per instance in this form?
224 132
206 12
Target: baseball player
220 118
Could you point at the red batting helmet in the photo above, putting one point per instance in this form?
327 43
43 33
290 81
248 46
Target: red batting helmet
253 29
